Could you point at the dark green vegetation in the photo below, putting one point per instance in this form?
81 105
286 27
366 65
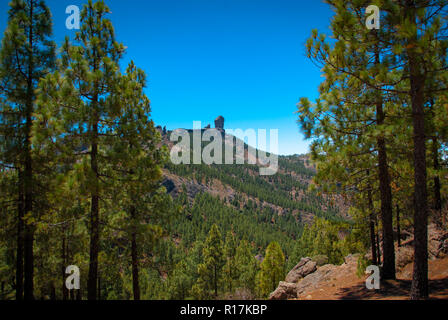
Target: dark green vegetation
85 178
379 126
82 184
246 221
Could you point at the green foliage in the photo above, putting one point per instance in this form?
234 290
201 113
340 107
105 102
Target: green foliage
272 270
320 259
210 270
95 195
362 265
381 97
330 242
246 267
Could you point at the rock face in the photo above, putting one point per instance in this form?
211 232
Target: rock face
306 276
444 247
175 184
284 291
314 280
437 241
219 123
301 270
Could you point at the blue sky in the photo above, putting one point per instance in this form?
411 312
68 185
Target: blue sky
242 59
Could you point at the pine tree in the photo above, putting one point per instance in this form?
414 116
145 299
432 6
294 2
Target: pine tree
27 54
180 282
272 270
357 114
210 270
79 107
246 266
230 268
137 168
411 49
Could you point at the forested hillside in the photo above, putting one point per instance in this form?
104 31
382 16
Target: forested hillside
86 182
88 187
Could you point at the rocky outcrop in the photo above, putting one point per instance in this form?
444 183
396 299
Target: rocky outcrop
219 123
313 281
174 186
437 241
301 270
308 279
313 278
437 246
285 290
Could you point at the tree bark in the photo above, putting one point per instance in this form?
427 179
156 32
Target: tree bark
63 266
19 255
388 268
92 281
134 256
398 226
94 228
78 295
419 287
437 194
378 249
372 226
29 229
99 288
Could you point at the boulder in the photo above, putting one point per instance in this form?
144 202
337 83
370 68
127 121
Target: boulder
315 279
301 270
284 291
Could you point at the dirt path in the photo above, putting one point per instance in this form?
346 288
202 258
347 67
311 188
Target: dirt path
346 285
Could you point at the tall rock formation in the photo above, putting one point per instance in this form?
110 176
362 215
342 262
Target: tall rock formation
219 123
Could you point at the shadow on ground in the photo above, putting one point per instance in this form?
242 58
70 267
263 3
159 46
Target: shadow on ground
393 289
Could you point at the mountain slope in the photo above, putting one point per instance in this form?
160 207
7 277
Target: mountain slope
260 208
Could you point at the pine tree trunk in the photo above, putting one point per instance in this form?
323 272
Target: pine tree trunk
99 288
398 226
372 223
19 255
372 226
93 279
78 295
29 238
437 195
28 179
63 266
134 255
419 287
52 292
94 229
378 249
388 268
29 233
